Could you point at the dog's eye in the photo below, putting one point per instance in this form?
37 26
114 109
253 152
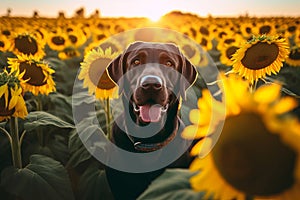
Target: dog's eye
169 63
136 62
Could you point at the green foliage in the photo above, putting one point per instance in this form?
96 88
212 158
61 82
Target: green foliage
172 184
93 184
43 178
40 118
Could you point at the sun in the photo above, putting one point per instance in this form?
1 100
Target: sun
155 16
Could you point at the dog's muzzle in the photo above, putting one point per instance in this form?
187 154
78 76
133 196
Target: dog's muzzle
150 109
151 82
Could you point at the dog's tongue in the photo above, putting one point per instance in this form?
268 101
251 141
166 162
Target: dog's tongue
150 113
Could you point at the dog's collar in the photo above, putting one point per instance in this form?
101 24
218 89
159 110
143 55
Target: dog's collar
149 147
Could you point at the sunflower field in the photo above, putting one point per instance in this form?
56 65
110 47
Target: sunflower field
255 157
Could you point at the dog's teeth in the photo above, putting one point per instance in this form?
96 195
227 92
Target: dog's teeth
165 108
136 108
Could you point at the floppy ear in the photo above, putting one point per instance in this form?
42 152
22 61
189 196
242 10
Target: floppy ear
190 74
116 68
115 71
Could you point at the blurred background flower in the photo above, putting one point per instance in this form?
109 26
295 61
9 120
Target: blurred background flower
256 154
28 44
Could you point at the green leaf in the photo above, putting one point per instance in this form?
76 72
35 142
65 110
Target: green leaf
83 97
93 184
43 178
77 150
172 184
60 106
40 118
87 128
59 147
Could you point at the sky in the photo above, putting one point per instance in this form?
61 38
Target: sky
152 8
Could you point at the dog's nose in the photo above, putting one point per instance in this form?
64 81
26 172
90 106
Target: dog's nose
151 82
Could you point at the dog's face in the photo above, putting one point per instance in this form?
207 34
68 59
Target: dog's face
152 76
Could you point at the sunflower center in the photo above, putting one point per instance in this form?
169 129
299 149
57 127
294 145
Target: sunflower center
295 55
107 45
203 42
230 51
189 51
265 29
33 74
58 40
248 30
6 32
73 39
260 55
26 45
292 29
2 44
252 159
229 41
204 31
98 75
101 36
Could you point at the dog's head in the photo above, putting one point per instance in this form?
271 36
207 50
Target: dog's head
152 76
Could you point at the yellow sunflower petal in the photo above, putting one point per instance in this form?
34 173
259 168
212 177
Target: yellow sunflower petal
285 104
202 147
4 90
267 93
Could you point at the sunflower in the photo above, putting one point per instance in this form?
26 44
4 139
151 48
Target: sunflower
205 42
68 53
28 44
192 52
58 40
297 38
94 75
5 43
35 75
247 29
261 56
76 38
294 57
257 153
226 53
228 40
11 99
266 28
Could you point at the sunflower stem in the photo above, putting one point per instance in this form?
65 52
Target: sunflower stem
15 143
40 134
39 104
108 118
7 135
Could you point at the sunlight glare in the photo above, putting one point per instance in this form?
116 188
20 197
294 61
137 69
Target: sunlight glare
154 16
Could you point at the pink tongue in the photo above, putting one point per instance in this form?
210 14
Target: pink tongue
150 113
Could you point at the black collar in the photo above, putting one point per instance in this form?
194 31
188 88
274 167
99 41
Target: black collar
149 147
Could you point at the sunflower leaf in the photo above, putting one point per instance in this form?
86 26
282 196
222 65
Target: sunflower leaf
93 184
91 134
172 184
40 118
43 178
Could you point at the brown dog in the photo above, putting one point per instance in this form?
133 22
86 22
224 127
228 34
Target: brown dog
151 78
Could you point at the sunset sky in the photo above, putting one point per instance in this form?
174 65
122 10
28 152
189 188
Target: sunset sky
152 8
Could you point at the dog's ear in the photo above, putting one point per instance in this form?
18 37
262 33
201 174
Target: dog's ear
189 73
115 71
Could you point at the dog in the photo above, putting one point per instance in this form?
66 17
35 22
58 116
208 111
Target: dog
152 77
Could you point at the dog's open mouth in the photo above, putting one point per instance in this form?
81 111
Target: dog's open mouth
150 112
